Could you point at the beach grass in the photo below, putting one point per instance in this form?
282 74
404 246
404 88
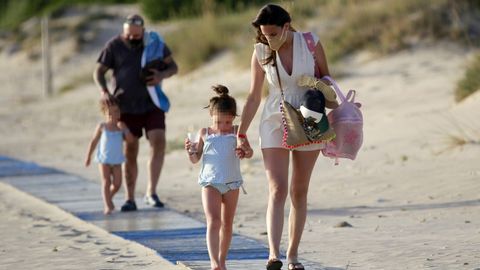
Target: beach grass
470 83
344 27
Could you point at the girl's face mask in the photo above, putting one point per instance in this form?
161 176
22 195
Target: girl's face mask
276 42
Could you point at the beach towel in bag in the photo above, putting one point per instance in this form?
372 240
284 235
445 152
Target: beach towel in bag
347 122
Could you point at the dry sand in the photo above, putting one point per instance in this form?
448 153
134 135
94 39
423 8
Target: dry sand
38 235
411 196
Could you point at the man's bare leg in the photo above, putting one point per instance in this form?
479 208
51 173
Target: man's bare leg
156 138
131 173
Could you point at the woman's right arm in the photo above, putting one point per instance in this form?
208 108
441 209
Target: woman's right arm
254 96
250 109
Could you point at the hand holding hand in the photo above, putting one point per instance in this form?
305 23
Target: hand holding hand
243 149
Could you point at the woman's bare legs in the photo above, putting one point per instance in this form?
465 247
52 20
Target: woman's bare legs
302 167
276 167
106 173
229 205
212 204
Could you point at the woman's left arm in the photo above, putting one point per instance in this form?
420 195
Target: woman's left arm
321 62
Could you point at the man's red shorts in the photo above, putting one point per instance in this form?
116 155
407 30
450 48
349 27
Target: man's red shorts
137 122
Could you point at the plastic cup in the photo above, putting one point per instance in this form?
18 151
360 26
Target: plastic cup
193 138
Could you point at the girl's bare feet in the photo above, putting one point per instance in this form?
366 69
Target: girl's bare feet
107 211
109 208
216 267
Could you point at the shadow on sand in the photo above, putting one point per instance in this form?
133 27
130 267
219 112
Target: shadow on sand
362 209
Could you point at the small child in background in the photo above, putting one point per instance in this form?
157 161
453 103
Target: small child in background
109 154
220 174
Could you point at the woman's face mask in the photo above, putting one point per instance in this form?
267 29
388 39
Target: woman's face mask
277 41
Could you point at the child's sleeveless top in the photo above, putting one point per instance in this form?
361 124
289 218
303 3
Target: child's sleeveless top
110 147
271 130
219 161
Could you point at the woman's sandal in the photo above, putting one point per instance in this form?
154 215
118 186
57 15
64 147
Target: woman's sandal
295 266
274 264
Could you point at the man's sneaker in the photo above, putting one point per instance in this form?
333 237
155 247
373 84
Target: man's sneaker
129 206
153 200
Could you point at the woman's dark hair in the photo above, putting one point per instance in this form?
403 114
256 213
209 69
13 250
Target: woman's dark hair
222 103
270 14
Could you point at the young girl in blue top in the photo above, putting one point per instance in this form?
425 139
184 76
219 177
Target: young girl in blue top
220 174
109 154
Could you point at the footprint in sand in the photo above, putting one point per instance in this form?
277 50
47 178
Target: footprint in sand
37 218
141 264
62 228
82 241
115 260
74 233
109 251
82 232
128 256
103 253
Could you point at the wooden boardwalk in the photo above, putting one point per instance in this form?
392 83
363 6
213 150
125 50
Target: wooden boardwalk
176 237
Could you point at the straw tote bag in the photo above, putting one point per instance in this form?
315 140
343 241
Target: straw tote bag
294 133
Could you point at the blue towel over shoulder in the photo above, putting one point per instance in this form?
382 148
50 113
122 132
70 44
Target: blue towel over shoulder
154 46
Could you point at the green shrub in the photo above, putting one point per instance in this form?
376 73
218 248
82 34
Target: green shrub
168 9
15 12
197 40
388 26
470 82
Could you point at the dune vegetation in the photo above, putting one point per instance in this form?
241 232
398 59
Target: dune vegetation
205 28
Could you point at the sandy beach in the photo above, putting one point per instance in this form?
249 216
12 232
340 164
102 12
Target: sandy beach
412 195
38 235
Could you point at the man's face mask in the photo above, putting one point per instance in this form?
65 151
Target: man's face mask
276 42
135 43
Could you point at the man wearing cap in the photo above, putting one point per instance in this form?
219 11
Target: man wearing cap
140 61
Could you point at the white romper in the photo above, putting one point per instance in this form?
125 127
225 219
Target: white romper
271 130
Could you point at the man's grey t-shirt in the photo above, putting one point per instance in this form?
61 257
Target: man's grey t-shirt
126 65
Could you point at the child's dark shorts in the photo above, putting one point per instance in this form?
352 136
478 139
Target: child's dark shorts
150 120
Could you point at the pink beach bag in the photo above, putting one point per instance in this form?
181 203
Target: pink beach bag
347 122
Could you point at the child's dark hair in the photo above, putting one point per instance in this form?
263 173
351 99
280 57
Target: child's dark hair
222 103
104 104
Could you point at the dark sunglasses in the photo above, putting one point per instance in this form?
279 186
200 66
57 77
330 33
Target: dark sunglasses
134 21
